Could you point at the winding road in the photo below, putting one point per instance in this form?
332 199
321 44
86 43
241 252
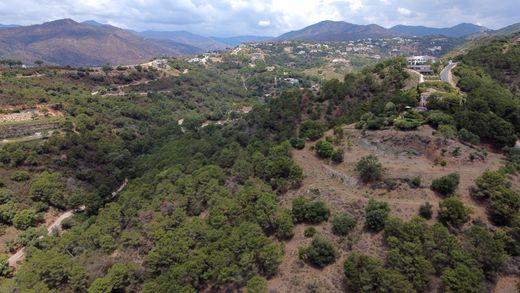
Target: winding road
56 226
446 75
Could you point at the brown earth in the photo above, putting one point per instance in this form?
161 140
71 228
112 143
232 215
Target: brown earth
404 156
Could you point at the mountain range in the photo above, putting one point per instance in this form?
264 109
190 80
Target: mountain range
67 42
460 30
331 31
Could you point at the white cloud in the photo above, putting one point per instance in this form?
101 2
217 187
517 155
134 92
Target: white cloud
263 17
264 23
404 11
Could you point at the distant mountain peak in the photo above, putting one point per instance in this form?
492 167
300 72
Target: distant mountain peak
459 30
330 30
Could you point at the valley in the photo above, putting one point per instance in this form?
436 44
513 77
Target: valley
322 160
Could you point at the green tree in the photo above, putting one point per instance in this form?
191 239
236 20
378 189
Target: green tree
324 149
312 129
284 225
425 210
25 219
342 224
256 284
462 279
452 212
366 274
337 156
505 204
376 215
489 183
321 252
446 185
369 168
48 187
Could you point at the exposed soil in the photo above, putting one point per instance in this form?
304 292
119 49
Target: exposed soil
404 155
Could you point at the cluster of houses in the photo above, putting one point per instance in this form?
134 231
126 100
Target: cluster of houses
421 64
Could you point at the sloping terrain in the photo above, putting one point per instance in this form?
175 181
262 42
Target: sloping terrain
66 42
404 155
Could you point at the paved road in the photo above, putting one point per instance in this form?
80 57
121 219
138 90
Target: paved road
446 74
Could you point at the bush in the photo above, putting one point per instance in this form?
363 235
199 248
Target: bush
425 210
324 149
447 131
466 135
320 252
297 143
25 219
452 212
337 156
312 129
309 211
407 124
369 168
20 176
447 184
256 284
505 204
416 182
309 232
284 225
376 215
366 274
438 118
489 183
5 195
342 224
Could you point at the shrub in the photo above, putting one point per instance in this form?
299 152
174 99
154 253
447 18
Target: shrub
337 156
316 212
309 211
324 149
452 212
438 118
309 232
20 176
312 129
468 136
407 124
447 131
369 168
320 252
366 274
5 195
284 225
297 143
416 182
462 279
425 210
505 204
256 284
447 184
489 183
342 224
25 219
376 215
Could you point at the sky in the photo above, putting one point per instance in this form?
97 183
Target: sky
257 17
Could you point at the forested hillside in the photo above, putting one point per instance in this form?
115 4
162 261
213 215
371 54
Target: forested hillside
209 176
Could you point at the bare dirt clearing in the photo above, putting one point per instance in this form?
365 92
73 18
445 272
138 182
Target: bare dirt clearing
404 155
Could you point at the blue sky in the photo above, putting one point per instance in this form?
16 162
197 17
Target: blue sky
239 17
